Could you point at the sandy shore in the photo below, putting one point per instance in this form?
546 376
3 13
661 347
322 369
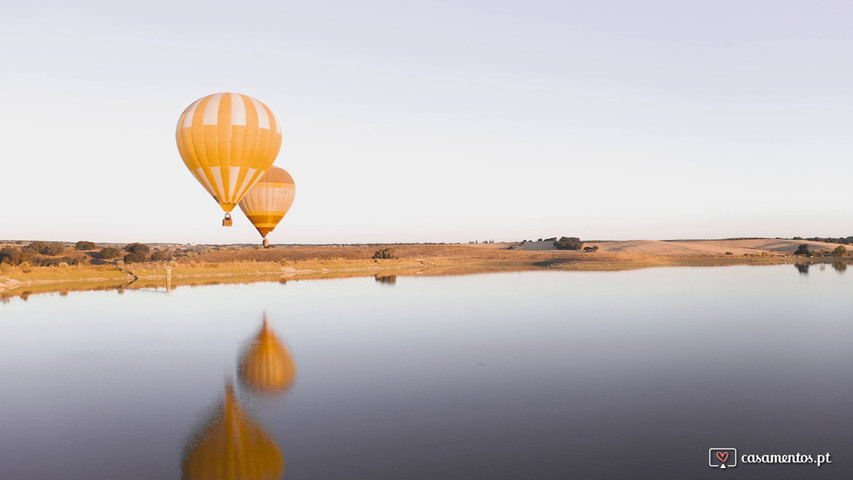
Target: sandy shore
285 263
683 247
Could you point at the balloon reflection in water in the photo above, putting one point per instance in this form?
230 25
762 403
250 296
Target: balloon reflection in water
232 446
267 366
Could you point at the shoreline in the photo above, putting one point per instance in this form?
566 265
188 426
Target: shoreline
39 280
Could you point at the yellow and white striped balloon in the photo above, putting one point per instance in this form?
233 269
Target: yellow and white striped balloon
269 200
228 141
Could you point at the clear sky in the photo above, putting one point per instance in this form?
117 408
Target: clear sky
442 121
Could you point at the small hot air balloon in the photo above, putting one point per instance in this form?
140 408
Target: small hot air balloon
232 446
269 200
267 366
228 141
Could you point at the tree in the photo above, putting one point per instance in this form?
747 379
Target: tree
109 252
84 245
385 253
138 248
43 248
11 256
803 249
159 256
16 256
840 251
53 248
568 243
135 257
36 247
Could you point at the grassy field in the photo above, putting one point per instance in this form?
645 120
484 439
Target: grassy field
244 264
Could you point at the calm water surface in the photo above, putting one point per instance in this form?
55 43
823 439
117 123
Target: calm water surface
539 375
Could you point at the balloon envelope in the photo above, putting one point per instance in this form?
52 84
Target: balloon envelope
228 141
269 200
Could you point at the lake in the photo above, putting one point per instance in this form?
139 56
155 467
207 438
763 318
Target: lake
540 375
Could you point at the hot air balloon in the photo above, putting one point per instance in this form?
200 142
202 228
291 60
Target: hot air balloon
232 446
269 200
228 141
267 366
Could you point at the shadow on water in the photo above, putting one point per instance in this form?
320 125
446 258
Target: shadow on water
230 443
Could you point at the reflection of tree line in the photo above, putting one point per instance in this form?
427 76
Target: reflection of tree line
803 268
157 283
385 279
232 444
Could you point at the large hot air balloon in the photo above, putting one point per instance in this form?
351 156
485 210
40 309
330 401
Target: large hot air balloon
232 446
228 141
267 366
269 200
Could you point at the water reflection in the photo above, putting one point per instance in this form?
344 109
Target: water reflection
629 362
803 268
840 267
386 279
232 445
267 366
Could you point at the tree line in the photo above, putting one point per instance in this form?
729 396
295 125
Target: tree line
47 254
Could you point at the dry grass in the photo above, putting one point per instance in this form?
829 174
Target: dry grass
252 264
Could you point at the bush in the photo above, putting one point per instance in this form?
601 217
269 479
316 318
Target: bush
46 262
6 254
802 250
74 260
840 251
385 253
159 256
137 248
15 256
109 252
36 247
84 245
43 248
57 262
568 243
135 257
54 248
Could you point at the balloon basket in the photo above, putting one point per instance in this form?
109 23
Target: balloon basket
266 243
227 222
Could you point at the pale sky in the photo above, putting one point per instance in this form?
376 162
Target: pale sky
437 121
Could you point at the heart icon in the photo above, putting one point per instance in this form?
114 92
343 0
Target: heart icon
723 456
